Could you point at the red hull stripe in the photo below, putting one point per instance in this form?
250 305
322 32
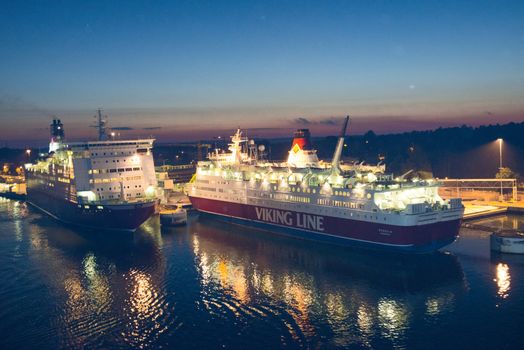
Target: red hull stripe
369 232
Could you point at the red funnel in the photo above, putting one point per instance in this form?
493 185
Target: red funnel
302 140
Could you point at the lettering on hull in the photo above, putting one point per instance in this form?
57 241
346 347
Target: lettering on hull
288 218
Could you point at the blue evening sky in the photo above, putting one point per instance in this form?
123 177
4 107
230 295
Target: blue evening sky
191 69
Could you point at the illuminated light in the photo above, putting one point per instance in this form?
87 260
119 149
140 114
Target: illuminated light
327 188
365 320
150 191
503 280
371 177
267 284
432 307
89 196
335 308
393 318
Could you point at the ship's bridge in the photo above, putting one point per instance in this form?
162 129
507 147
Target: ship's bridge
114 170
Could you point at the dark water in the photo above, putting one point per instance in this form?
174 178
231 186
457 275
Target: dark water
212 286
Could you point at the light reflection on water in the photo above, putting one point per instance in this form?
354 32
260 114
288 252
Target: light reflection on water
503 280
214 285
336 287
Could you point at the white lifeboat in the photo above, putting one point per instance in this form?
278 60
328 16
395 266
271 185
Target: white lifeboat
507 241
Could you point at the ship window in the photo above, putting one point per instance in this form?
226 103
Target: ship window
121 170
129 169
112 170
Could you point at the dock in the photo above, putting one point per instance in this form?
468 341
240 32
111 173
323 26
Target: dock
479 210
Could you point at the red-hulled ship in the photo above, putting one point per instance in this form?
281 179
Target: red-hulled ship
310 198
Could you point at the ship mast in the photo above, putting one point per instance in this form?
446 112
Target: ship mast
335 162
101 125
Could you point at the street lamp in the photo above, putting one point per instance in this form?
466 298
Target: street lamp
500 153
500 167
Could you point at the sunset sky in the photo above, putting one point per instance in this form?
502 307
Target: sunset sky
186 70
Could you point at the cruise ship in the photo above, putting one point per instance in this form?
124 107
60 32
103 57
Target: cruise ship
329 201
105 184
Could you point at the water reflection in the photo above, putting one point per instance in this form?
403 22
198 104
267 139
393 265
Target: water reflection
106 282
211 284
503 280
248 270
513 222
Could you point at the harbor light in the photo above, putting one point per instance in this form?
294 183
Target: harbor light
500 152
500 167
150 191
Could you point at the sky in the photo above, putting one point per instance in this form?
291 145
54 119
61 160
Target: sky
187 70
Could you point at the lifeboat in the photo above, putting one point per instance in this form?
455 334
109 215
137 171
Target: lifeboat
507 241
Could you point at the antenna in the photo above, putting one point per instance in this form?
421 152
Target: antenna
335 168
101 125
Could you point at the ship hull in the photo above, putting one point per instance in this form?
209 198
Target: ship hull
113 217
413 239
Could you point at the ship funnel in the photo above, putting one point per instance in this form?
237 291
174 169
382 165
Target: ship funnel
335 167
57 134
302 154
302 140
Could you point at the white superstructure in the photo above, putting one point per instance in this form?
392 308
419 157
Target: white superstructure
121 170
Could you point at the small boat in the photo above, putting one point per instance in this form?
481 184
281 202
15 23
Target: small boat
507 241
173 216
